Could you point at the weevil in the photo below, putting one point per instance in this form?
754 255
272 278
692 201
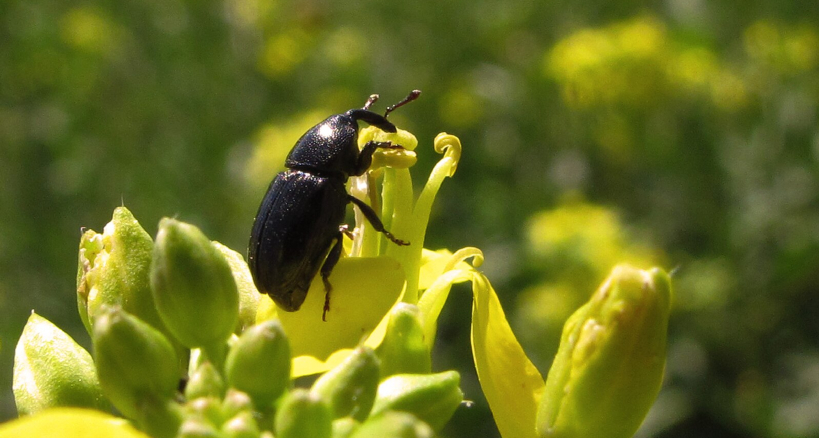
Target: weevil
298 230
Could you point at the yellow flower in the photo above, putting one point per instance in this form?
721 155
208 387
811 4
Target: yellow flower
376 274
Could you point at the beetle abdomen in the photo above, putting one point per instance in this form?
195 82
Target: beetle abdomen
297 223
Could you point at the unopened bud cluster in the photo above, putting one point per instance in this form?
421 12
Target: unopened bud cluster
177 351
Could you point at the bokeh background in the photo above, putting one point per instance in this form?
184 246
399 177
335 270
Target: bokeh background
678 133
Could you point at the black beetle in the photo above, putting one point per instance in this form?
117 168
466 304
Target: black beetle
302 213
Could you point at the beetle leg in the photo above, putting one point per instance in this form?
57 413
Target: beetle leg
372 216
365 157
346 230
327 268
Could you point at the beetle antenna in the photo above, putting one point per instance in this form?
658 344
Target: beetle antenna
410 97
370 101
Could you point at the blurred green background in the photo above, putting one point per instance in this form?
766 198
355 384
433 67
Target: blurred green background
680 133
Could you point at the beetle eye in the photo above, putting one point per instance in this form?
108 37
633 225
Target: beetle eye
326 131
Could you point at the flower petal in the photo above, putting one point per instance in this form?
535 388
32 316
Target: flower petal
71 423
511 383
364 290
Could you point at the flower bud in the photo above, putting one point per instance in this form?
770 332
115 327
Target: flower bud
205 382
249 296
160 418
135 362
344 427
193 286
114 270
242 425
432 398
207 408
197 427
403 350
393 424
52 370
259 363
610 363
350 387
303 414
235 401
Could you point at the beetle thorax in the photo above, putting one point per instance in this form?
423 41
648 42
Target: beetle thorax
328 148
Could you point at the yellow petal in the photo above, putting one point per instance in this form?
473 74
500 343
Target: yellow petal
70 423
511 383
433 300
364 290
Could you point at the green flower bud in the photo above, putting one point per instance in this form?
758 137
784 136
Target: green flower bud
303 414
259 363
114 270
610 363
432 398
205 382
160 418
350 387
403 350
135 362
242 425
207 408
394 425
235 401
193 287
195 427
249 296
344 427
52 370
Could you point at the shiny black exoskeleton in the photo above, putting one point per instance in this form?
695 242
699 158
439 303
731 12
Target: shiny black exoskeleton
300 218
